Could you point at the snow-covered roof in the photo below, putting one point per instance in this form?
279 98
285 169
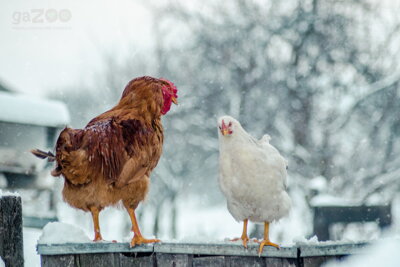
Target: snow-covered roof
3 88
19 108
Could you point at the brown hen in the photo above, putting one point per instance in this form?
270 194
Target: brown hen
110 160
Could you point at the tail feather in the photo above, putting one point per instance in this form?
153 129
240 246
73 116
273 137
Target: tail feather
43 155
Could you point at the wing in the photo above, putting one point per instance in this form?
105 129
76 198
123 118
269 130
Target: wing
274 158
122 149
143 145
119 151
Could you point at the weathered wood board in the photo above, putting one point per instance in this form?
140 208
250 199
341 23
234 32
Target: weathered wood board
11 242
192 254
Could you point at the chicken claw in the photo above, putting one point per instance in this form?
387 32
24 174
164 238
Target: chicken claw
244 236
265 243
138 240
97 237
245 239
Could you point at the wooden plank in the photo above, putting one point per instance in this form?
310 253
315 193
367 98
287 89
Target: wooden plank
11 240
331 249
227 249
58 260
209 261
197 254
99 260
137 259
94 247
237 261
175 260
281 262
318 261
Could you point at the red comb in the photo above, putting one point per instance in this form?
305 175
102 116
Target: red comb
171 85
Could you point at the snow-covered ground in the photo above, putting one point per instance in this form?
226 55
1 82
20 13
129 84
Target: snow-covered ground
31 237
382 253
60 233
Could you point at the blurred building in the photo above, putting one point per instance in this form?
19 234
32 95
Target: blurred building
28 122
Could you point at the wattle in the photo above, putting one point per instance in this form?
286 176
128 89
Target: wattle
167 105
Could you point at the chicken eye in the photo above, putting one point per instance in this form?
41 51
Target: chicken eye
220 127
230 124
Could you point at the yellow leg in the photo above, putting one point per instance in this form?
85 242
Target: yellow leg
244 236
265 241
137 237
95 216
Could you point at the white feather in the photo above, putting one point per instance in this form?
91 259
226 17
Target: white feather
252 176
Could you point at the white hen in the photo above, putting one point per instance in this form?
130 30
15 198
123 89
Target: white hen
252 178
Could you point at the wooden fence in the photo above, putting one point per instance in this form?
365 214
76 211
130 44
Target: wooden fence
163 254
191 254
11 246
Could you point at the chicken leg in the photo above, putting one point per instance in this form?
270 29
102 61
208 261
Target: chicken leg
138 238
95 215
265 241
244 236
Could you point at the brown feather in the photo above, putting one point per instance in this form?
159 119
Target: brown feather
43 155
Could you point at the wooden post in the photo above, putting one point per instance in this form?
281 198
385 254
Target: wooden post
11 245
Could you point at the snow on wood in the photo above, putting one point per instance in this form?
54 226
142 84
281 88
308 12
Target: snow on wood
328 200
331 249
220 248
61 233
18 108
92 247
224 248
8 193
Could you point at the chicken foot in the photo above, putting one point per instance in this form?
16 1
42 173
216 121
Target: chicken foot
244 236
266 241
95 215
137 237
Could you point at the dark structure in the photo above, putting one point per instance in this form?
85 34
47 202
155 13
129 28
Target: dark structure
325 216
11 243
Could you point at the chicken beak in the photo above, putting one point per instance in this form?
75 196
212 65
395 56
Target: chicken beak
225 131
174 100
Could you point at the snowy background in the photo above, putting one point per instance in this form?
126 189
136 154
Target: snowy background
320 77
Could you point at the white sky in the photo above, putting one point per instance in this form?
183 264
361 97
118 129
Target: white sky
36 57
